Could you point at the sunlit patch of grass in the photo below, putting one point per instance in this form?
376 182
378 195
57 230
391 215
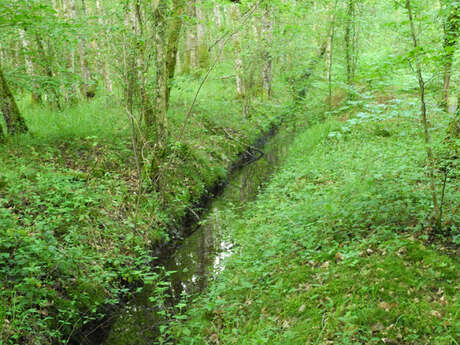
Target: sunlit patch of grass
102 117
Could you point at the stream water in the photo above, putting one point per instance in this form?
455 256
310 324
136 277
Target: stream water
202 255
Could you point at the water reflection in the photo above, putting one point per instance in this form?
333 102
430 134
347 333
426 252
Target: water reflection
202 255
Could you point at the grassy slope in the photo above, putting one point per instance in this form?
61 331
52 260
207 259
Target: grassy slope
332 252
67 205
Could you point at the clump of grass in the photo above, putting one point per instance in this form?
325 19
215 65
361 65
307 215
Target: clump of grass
101 117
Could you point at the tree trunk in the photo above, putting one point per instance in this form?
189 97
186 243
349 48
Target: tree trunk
201 41
349 40
191 43
423 115
173 43
241 89
451 34
454 126
160 16
36 98
330 56
301 92
267 38
219 18
47 63
86 88
13 119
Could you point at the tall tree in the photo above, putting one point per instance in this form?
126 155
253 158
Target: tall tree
423 115
330 53
267 40
161 82
173 44
451 11
350 40
14 121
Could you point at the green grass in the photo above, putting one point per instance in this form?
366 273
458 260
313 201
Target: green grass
332 251
69 244
100 117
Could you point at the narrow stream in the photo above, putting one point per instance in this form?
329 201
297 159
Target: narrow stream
202 255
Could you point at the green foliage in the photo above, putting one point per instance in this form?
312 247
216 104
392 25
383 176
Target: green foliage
332 250
71 244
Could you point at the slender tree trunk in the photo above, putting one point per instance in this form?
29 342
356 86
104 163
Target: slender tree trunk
73 15
451 35
47 63
14 121
173 45
25 47
140 65
161 72
267 39
219 18
423 115
302 91
191 44
349 41
102 63
36 98
330 57
241 90
454 125
86 88
330 54
129 58
201 41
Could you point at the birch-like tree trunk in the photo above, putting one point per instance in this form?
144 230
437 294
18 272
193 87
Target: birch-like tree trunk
36 98
267 40
100 42
191 43
423 116
86 88
161 84
219 20
349 41
130 58
173 44
330 55
25 47
451 35
239 68
197 55
201 37
47 65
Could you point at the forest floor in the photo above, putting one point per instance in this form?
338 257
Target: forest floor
75 237
336 249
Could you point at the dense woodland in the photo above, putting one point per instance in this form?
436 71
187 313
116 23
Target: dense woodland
121 120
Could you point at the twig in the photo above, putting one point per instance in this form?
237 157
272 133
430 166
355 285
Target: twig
442 198
134 124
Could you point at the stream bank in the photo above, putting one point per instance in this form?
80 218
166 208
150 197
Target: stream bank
333 251
196 252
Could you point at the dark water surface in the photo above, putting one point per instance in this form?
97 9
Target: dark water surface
202 255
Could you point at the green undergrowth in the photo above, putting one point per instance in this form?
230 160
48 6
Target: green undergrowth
72 239
334 251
